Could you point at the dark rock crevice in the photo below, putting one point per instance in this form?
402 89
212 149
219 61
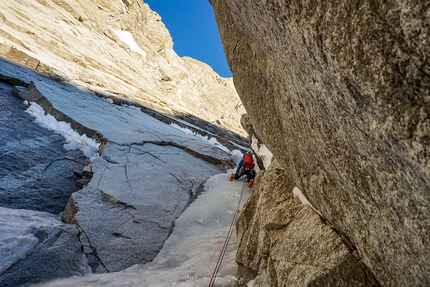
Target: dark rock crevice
94 261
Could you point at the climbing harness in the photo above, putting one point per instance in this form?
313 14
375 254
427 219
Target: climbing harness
227 239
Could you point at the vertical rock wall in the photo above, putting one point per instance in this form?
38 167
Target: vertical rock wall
339 92
286 243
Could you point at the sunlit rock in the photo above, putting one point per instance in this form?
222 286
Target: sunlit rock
120 47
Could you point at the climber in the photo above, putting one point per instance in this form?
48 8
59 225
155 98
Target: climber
245 166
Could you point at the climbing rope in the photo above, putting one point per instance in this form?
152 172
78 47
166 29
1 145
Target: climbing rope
227 239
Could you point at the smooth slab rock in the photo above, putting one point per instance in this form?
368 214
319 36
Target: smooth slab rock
282 242
68 103
129 208
339 91
36 171
146 174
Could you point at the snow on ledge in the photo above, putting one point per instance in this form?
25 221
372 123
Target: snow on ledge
127 38
297 192
213 141
74 141
16 233
262 151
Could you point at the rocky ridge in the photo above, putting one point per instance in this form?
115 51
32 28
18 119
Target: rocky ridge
340 94
84 43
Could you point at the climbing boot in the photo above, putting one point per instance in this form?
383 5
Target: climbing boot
251 182
232 177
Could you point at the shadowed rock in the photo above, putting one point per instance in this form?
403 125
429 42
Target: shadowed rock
340 93
286 243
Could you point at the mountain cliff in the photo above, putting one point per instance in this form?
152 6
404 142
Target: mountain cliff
97 65
118 49
339 93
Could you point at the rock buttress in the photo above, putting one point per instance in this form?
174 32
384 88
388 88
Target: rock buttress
339 92
282 242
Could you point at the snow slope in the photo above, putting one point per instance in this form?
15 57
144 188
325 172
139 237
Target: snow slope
189 255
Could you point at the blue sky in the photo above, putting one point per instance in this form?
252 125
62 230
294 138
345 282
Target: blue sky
192 25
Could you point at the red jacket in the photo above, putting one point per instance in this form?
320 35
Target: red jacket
248 161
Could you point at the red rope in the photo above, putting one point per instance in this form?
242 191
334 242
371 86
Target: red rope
227 239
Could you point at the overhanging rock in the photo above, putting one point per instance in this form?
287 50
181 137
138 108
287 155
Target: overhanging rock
340 94
282 242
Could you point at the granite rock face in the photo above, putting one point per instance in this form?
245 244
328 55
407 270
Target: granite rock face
129 208
117 49
36 170
145 176
108 68
339 93
287 244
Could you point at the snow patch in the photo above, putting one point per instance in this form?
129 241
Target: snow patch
74 141
262 151
16 237
128 39
179 93
297 192
213 141
237 156
189 255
